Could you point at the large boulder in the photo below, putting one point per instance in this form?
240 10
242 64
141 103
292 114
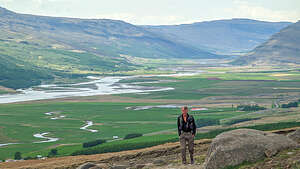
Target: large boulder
295 135
237 146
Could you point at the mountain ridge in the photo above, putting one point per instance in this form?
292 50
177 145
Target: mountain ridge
38 48
109 36
282 48
229 36
41 48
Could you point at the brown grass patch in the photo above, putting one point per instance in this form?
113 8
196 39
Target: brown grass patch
98 124
7 89
281 74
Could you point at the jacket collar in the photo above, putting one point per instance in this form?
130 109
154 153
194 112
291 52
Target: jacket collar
186 116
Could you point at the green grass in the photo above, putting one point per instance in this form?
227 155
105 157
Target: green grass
184 89
25 65
235 84
3 92
20 121
148 141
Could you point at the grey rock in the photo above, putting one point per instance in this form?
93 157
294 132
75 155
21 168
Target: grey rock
159 162
88 166
140 166
295 135
96 167
237 146
120 167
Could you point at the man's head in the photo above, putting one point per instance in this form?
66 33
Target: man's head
184 109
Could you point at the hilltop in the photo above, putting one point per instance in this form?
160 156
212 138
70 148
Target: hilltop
99 36
40 48
36 49
281 49
232 36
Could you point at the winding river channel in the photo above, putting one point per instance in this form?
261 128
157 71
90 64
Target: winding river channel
95 86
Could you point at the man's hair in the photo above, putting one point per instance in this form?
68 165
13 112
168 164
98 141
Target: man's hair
185 107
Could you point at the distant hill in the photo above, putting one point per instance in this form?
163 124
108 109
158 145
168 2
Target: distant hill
100 36
281 48
34 48
37 48
221 36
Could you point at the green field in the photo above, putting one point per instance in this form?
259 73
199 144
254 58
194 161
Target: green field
227 84
3 92
19 122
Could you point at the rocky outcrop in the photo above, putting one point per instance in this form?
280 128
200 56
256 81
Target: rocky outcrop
235 147
119 167
89 166
295 135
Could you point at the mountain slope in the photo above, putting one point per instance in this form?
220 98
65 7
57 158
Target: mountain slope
281 48
104 37
37 48
221 36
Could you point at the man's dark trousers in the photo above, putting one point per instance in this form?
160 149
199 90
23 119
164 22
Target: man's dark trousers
186 139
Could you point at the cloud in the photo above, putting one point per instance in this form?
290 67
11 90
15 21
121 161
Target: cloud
161 15
244 9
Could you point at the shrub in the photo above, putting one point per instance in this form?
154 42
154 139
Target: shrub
122 147
53 152
18 156
250 107
93 143
207 122
128 145
235 121
290 104
29 158
133 135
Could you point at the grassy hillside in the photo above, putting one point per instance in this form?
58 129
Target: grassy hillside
222 36
103 37
281 49
38 48
24 64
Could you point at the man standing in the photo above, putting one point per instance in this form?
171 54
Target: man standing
186 131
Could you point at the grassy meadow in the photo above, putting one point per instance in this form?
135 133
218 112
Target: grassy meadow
215 90
19 122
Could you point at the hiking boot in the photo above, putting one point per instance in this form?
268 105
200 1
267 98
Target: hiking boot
192 158
184 162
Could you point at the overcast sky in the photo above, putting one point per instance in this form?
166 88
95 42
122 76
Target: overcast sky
161 12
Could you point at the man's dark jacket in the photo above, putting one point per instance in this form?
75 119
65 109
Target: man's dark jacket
188 126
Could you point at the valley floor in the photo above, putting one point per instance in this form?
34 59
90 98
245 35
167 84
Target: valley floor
166 156
218 92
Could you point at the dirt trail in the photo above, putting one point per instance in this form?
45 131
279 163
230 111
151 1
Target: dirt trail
137 156
161 156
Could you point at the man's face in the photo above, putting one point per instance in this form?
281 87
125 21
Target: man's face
184 111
